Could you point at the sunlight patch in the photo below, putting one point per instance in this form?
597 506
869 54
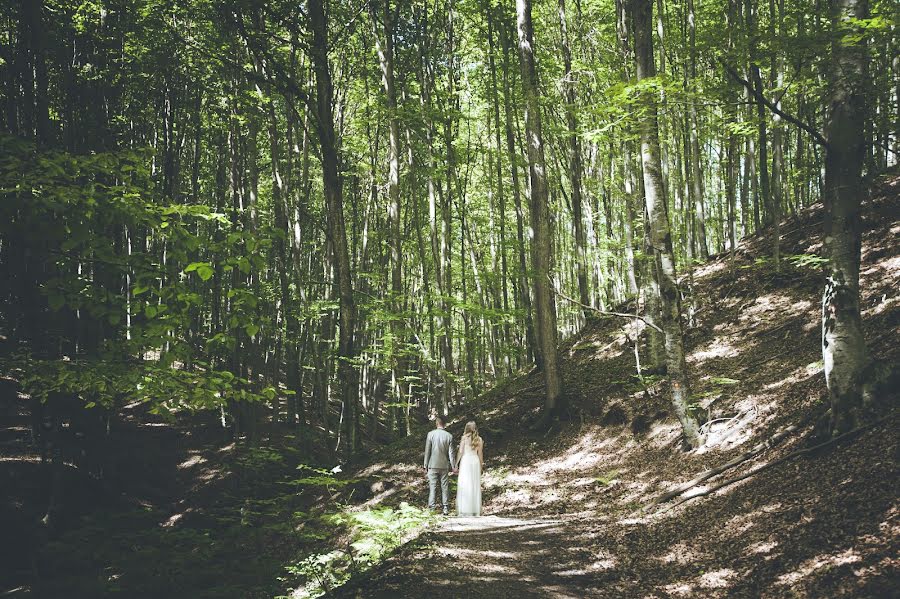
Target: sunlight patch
718 348
817 563
717 579
681 590
191 462
681 553
662 434
173 519
477 554
763 547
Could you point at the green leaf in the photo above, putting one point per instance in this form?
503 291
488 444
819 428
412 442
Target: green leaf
150 311
205 271
251 329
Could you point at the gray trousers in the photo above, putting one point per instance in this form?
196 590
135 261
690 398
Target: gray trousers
442 476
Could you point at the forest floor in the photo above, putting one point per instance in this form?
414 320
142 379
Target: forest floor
568 512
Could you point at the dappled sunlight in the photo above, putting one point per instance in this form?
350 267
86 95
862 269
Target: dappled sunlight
763 547
664 434
723 434
711 268
717 579
849 556
603 561
590 451
598 350
718 348
784 305
210 475
32 459
391 468
456 551
634 490
380 498
886 304
679 589
192 461
743 522
681 553
793 377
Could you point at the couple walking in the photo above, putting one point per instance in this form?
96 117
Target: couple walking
440 460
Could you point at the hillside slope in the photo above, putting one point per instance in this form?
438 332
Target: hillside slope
570 511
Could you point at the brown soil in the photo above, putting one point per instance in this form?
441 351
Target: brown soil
569 511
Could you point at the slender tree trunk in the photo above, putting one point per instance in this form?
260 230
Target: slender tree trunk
545 309
628 220
347 374
385 50
696 178
660 235
501 188
524 293
575 163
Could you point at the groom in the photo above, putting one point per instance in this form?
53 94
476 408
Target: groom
439 460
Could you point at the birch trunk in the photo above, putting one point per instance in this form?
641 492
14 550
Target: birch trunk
660 234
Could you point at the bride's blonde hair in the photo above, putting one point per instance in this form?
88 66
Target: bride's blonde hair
472 433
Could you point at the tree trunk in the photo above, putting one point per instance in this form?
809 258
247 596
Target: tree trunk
660 235
575 164
545 309
334 201
501 193
524 293
385 50
844 350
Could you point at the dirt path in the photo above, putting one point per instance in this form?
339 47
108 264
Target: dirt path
496 556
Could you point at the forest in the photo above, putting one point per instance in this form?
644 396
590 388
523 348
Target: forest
250 249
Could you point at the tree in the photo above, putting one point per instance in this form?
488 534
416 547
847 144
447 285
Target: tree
844 349
334 197
575 164
542 255
660 234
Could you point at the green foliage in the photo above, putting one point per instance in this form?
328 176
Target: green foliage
72 204
607 478
373 534
807 261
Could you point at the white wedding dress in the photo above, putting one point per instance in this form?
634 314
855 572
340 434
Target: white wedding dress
468 490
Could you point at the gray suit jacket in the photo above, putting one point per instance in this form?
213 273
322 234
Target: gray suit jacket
439 450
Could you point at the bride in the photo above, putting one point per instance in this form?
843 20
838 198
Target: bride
470 460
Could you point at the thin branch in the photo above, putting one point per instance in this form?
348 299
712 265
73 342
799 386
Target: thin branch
780 460
818 137
706 475
607 313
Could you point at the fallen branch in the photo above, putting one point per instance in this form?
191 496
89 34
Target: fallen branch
607 313
728 420
780 460
758 449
